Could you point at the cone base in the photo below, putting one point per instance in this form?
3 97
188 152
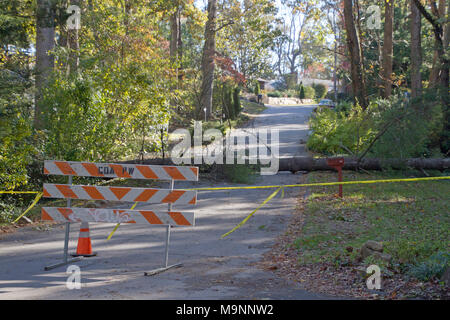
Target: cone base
84 255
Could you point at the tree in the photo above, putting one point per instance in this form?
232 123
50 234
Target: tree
388 47
45 43
356 56
207 67
416 51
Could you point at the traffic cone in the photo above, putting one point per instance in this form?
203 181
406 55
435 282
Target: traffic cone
84 247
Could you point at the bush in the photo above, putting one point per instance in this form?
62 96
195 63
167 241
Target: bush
310 92
408 131
236 101
321 90
335 132
275 94
302 92
433 267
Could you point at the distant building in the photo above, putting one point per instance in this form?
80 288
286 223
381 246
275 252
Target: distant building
329 83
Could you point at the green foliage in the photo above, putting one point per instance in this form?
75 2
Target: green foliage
302 92
335 132
397 128
236 101
310 92
320 90
275 94
431 268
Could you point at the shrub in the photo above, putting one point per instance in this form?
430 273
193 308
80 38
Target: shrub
401 130
335 132
236 101
302 92
433 267
275 94
310 92
321 90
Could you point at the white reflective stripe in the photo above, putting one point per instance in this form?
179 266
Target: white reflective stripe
84 234
186 197
55 214
53 191
161 173
51 167
188 173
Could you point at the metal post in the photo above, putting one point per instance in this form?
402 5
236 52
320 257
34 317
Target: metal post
168 229
166 255
66 241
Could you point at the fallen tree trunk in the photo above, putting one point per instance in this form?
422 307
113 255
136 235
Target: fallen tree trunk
317 164
311 164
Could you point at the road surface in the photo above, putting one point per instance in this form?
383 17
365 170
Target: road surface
213 268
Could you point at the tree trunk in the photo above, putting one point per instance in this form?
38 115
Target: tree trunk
388 47
295 164
207 68
45 42
358 83
416 51
434 74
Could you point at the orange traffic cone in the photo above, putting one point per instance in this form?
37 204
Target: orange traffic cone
84 247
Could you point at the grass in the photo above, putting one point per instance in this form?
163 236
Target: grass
411 219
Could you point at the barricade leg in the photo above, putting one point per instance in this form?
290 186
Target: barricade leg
66 252
166 255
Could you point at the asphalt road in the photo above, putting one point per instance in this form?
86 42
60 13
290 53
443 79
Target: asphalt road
213 268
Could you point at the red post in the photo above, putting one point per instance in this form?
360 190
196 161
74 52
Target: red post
337 163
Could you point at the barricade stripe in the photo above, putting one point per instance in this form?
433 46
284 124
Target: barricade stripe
93 192
117 216
66 191
174 173
120 170
173 196
129 194
151 217
92 169
65 168
120 192
147 172
179 219
146 195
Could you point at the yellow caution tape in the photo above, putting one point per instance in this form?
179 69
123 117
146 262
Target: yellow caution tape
24 192
38 196
281 187
252 213
278 187
321 184
117 225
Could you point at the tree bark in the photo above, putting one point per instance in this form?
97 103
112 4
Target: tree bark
208 66
388 47
358 83
416 51
45 42
296 164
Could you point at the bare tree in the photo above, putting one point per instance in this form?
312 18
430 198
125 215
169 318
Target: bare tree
358 81
416 51
45 43
208 66
388 47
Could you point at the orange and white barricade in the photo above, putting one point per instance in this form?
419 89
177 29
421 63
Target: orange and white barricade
127 194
